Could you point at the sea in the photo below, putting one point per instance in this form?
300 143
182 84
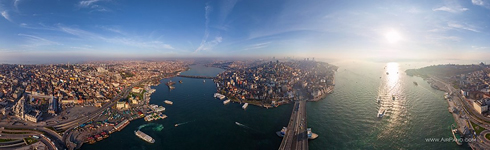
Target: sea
345 119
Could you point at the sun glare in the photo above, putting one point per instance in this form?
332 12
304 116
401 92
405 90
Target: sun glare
392 36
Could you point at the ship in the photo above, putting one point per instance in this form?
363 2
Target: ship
144 136
381 113
226 101
282 132
311 135
220 96
169 83
245 106
379 99
168 102
456 135
415 83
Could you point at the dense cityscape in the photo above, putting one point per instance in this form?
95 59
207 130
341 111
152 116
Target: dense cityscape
274 83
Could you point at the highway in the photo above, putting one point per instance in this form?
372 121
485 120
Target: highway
296 135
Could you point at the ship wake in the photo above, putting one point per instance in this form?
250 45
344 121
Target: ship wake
156 127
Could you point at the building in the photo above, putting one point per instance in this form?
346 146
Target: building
53 106
480 106
122 105
24 112
137 90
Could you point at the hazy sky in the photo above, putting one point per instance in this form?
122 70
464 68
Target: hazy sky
429 29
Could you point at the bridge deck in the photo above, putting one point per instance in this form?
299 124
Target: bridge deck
296 135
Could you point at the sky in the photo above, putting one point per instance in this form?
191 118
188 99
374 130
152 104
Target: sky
33 30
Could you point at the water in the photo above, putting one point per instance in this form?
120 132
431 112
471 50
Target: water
346 119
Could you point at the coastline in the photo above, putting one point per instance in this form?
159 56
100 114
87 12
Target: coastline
452 106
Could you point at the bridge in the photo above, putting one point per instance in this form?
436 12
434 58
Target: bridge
197 77
296 137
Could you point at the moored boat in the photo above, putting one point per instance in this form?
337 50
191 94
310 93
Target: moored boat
245 106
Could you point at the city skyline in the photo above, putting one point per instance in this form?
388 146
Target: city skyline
100 29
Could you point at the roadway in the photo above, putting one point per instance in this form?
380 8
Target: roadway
296 135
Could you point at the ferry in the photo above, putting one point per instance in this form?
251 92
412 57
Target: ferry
282 132
144 136
381 113
168 102
226 101
245 106
220 96
456 135
311 135
379 99
170 83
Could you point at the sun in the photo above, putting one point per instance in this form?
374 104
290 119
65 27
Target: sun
392 36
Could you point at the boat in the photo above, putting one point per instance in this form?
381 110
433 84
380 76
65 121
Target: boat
180 81
220 96
169 83
226 101
379 99
144 136
311 135
415 83
171 87
456 135
176 125
204 81
282 132
245 106
393 97
168 102
381 113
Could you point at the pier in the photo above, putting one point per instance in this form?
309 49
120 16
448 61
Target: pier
196 77
296 135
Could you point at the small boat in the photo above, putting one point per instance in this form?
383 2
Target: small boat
456 135
176 125
282 132
379 99
393 97
180 81
245 106
415 83
381 113
204 81
311 135
226 101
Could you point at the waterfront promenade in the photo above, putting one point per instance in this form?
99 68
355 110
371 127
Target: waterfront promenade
296 135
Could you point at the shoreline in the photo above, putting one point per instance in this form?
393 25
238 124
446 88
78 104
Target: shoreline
452 105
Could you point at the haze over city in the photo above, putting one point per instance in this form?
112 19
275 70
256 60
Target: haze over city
99 29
